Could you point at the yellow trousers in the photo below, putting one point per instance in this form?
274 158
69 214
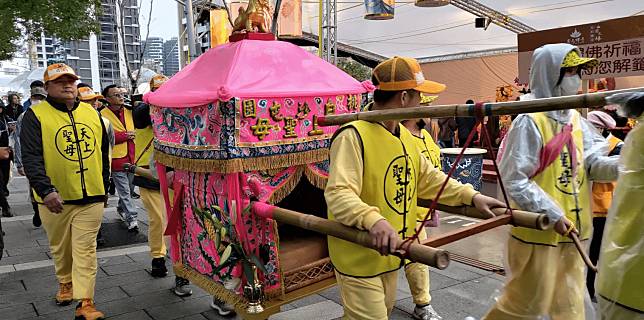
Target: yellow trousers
368 298
610 310
543 280
72 241
154 204
417 275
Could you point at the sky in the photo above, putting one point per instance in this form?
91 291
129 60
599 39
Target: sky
164 18
428 32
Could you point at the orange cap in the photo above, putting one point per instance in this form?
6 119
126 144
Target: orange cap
58 70
86 94
399 73
157 81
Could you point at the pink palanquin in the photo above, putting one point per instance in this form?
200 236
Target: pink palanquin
245 110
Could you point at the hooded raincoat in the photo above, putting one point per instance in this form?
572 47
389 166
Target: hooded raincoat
620 280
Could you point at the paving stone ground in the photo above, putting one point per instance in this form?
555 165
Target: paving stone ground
125 289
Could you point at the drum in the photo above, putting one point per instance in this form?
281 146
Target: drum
469 169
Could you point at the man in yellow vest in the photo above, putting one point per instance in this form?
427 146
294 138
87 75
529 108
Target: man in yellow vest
417 274
602 193
547 161
123 152
150 190
375 177
621 260
65 156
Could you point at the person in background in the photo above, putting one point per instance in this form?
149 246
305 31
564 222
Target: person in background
38 94
465 125
417 274
446 134
65 156
123 152
87 95
13 108
29 102
150 189
602 193
7 127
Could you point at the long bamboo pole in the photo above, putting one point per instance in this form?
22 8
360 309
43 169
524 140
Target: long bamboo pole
519 218
416 252
469 110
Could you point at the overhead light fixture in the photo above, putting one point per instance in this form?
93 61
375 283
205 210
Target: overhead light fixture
482 22
432 3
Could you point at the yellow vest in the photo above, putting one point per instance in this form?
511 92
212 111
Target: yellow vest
432 152
64 136
603 191
385 164
143 143
120 149
557 181
429 148
621 264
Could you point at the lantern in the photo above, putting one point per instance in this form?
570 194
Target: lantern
432 3
379 9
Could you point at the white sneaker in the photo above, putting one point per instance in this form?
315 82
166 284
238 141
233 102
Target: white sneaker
133 226
426 313
222 308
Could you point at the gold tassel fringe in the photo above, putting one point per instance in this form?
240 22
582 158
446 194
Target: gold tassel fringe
315 179
243 164
219 291
281 193
210 286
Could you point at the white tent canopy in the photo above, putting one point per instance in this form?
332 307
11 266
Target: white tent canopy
429 32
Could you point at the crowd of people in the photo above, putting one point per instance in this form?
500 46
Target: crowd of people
72 143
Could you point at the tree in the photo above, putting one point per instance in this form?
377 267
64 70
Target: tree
355 69
63 19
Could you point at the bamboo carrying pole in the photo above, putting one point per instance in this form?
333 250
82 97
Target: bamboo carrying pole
416 252
469 110
520 218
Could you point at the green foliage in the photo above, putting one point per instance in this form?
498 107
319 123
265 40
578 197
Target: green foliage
355 69
63 19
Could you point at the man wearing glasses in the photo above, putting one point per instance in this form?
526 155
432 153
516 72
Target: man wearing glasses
123 152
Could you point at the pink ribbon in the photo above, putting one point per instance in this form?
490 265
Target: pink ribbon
223 94
368 85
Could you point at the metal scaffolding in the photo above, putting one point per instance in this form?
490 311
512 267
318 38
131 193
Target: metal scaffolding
328 31
496 17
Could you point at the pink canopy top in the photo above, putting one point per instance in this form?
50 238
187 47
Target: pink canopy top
254 69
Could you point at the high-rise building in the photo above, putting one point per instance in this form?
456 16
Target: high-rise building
171 57
100 60
153 47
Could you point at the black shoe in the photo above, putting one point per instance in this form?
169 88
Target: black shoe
182 287
158 268
100 241
6 212
134 195
36 220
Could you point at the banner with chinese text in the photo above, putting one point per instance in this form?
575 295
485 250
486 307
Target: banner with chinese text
616 43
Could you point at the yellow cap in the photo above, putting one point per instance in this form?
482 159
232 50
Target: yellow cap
573 59
58 70
398 74
157 81
86 94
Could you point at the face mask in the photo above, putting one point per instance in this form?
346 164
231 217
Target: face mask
570 85
35 102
